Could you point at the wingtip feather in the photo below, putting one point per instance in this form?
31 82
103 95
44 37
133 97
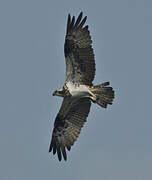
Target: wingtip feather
64 153
51 146
68 22
78 19
81 13
59 154
50 149
83 22
68 148
72 22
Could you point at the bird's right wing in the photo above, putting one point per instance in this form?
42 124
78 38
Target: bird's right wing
68 124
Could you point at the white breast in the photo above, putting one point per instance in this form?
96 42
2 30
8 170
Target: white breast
78 90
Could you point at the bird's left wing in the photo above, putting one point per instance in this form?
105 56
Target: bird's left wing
68 124
79 55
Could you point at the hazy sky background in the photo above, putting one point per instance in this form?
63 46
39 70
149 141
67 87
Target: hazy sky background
116 143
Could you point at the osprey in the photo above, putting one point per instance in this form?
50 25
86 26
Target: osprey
78 91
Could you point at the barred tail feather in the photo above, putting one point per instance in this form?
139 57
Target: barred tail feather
103 94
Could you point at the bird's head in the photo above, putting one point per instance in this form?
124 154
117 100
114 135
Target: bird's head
59 92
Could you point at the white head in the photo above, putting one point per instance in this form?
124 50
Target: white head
59 92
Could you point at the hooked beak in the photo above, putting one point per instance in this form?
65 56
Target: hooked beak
54 93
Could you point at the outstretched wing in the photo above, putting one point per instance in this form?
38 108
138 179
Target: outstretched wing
68 124
80 64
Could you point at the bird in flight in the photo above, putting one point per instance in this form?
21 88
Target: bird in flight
78 91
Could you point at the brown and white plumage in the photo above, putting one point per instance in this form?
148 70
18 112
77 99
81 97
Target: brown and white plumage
68 124
78 90
80 64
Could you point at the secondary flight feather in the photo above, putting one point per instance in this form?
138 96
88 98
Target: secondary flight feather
78 91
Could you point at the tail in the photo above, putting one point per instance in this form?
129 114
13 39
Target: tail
102 95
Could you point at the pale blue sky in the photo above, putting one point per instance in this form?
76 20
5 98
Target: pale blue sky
116 143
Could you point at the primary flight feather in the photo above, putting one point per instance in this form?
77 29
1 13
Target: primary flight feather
78 91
